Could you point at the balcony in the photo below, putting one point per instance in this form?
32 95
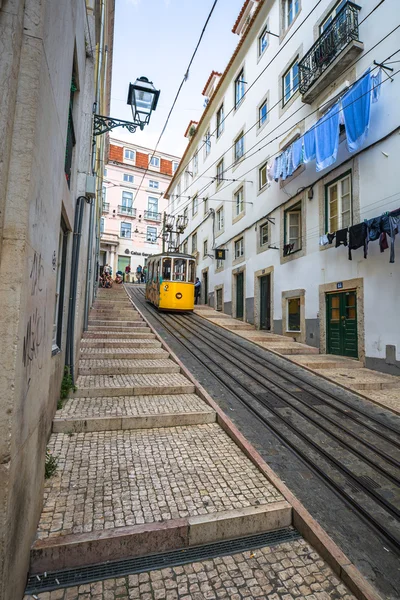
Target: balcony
331 54
149 215
106 207
127 211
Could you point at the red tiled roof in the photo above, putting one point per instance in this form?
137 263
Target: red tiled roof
245 5
209 79
189 126
208 107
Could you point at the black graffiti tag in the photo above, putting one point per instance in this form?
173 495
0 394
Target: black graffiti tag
37 274
33 339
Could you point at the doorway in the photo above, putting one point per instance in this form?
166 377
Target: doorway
341 318
205 286
239 295
265 302
123 261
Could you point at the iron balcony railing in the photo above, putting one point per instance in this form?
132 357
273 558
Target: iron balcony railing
128 211
339 33
106 207
152 216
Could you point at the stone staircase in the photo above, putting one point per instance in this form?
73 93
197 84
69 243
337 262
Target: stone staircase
143 465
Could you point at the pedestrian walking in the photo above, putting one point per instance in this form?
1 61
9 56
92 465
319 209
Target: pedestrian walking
197 290
139 274
106 269
127 272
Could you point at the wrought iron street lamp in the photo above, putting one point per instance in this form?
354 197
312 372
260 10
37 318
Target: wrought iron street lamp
143 99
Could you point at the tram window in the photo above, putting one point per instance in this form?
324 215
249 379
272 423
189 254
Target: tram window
179 273
157 271
150 271
192 271
166 271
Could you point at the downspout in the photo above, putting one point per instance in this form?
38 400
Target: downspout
89 266
76 244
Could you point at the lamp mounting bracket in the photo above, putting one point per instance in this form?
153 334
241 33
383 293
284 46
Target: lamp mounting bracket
103 124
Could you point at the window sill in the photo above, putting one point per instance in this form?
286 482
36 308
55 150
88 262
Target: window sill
239 260
261 56
237 218
263 248
237 106
55 350
263 189
219 233
262 127
284 32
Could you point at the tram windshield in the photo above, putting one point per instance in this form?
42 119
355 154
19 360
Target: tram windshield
192 271
166 270
179 273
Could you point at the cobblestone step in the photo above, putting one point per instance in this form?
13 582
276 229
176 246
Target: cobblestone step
143 491
102 322
115 343
288 349
126 315
127 367
131 385
83 415
138 326
121 353
116 335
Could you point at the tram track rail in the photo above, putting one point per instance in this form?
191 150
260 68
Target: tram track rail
362 472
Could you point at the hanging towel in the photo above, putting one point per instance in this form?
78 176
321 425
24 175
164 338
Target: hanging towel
356 105
323 240
376 83
341 237
289 161
297 153
327 138
284 165
277 167
358 237
309 145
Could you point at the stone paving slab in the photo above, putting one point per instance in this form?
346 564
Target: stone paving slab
112 324
137 332
138 326
364 379
113 479
135 385
115 343
288 571
120 353
326 361
387 398
125 366
288 348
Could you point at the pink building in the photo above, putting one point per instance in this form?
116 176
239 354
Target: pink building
132 206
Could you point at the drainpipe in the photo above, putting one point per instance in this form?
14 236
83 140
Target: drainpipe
89 266
76 243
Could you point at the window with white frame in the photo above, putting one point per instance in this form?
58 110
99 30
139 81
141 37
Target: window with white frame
239 88
152 207
220 219
127 199
195 205
129 154
290 81
239 202
335 11
239 147
239 248
126 230
174 166
291 9
220 172
207 143
128 178
205 248
195 163
262 176
264 234
263 113
154 184
205 205
194 243
155 162
151 234
59 296
220 120
263 41
338 207
220 263
293 228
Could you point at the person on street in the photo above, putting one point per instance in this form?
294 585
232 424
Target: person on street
119 277
106 269
144 274
139 273
127 272
197 290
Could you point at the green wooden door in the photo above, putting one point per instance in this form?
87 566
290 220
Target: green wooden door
265 302
239 296
341 309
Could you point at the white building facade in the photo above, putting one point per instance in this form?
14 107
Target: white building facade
296 61
134 183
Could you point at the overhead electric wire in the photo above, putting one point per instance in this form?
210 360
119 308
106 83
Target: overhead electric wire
280 99
185 78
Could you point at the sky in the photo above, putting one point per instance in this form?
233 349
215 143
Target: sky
156 39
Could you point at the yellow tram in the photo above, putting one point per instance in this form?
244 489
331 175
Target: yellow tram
170 281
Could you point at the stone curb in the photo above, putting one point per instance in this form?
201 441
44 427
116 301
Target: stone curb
66 552
302 520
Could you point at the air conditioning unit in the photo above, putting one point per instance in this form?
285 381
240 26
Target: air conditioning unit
90 185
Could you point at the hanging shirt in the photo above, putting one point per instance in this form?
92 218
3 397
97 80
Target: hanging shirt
394 222
327 138
309 145
341 237
356 105
289 161
297 153
358 237
278 167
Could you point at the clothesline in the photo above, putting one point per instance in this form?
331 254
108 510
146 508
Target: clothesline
321 141
370 230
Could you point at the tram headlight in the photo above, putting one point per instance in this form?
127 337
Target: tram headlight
178 295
